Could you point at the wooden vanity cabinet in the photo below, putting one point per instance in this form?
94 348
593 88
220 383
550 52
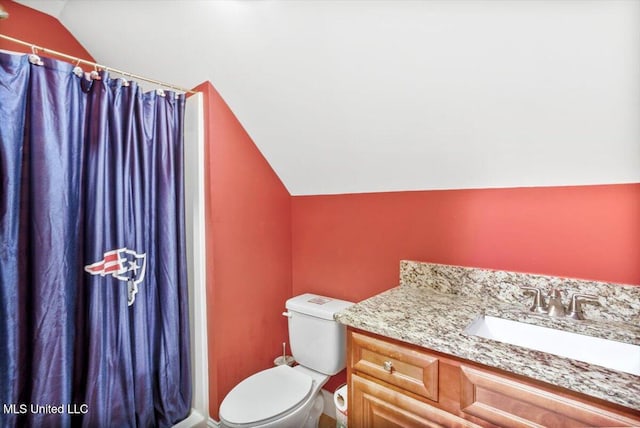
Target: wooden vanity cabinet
394 384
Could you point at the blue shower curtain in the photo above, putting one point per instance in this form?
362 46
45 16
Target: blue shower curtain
93 296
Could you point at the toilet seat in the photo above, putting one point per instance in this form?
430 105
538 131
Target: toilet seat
265 395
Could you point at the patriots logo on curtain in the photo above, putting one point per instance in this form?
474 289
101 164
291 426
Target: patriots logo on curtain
124 265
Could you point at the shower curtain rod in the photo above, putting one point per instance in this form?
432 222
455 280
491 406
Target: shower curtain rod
77 60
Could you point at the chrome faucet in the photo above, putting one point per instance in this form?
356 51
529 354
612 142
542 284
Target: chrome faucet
556 308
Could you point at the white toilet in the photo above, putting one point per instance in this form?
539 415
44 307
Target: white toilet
286 397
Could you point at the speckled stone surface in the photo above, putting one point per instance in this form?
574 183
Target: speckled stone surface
436 303
617 302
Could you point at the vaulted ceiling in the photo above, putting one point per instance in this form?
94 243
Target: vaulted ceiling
361 96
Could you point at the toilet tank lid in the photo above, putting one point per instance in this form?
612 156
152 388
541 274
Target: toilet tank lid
317 306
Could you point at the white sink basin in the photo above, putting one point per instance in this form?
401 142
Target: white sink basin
594 350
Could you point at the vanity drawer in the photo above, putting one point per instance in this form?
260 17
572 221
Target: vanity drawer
395 364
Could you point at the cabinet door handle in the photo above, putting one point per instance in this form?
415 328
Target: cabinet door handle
387 366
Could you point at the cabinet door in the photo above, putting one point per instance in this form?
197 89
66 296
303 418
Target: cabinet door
376 406
510 403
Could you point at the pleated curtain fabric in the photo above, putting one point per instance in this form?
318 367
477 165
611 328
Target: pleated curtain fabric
94 320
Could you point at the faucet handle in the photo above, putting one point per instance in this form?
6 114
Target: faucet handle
538 305
575 307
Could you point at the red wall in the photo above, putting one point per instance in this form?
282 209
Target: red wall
349 246
264 246
248 249
38 28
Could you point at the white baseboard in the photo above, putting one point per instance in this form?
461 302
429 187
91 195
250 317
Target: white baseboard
213 424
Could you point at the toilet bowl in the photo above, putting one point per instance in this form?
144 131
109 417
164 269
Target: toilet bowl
289 397
279 397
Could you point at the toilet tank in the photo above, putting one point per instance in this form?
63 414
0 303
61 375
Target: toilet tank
317 341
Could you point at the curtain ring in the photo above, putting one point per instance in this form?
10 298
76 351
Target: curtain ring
77 70
34 58
95 75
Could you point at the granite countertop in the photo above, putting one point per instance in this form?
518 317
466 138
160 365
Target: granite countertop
435 320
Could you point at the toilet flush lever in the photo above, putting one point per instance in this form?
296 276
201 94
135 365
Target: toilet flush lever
287 314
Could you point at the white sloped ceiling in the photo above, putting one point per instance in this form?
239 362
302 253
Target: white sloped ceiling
363 96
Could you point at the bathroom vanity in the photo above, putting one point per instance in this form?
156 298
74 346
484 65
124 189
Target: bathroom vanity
413 361
396 384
